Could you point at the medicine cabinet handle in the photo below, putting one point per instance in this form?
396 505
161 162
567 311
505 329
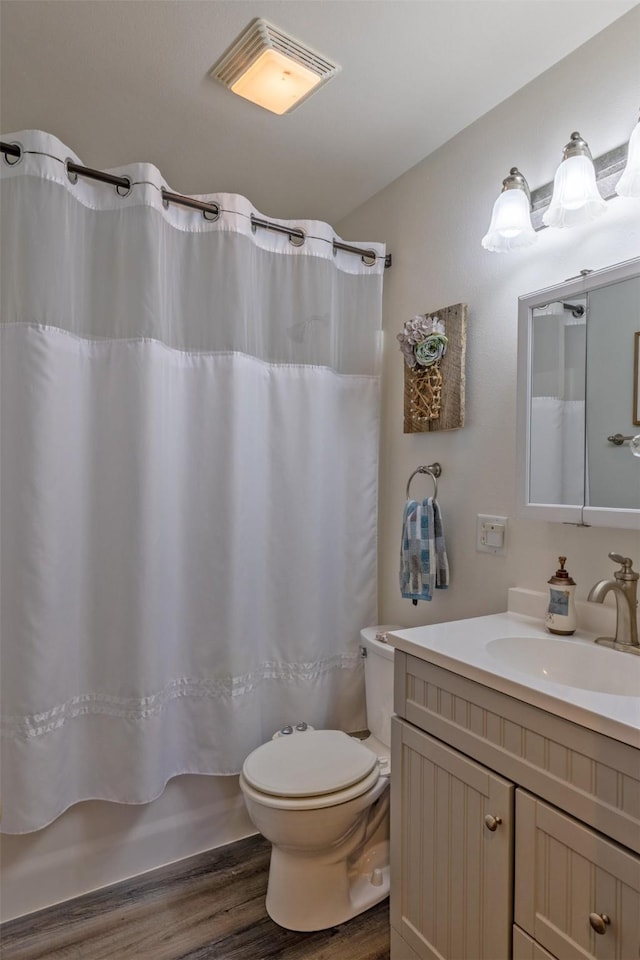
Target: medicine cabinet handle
618 439
492 823
599 922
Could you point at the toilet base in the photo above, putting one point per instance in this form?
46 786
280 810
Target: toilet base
304 894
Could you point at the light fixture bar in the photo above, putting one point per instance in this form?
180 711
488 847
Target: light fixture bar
608 167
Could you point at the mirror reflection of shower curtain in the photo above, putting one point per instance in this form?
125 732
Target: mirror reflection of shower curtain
557 450
190 420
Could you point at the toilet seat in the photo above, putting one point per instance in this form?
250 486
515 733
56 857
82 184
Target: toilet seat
319 768
312 803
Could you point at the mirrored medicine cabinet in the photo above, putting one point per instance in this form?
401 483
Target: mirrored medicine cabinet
579 400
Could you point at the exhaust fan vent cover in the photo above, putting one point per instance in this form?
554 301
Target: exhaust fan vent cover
265 57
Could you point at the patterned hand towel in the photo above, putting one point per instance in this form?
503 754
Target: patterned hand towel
442 562
423 556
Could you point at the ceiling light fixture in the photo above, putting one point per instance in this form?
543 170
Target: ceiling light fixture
510 225
272 69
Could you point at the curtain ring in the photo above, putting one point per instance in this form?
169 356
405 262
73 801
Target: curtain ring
14 161
127 189
164 189
296 240
369 258
71 174
210 216
434 470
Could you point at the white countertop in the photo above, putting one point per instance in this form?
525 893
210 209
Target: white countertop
463 647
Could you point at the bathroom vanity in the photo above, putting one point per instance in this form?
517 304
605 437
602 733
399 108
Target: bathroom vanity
515 794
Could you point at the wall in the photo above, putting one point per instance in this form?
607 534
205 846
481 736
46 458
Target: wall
432 220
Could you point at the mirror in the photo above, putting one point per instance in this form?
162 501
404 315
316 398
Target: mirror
578 399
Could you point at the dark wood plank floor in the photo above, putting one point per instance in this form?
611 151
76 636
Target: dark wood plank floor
209 907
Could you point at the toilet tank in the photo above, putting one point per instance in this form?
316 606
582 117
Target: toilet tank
378 678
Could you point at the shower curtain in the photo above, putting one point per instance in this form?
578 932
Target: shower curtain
189 441
557 450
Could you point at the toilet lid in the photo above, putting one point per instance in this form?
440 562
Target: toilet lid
308 764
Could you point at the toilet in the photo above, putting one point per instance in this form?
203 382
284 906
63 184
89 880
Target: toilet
321 797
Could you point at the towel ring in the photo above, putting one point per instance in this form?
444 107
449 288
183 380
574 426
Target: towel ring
434 470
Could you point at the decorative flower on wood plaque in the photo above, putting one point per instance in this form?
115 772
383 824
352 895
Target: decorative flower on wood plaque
433 346
424 343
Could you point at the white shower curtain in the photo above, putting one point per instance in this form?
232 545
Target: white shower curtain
188 488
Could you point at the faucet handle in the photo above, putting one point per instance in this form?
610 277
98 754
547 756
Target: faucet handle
626 573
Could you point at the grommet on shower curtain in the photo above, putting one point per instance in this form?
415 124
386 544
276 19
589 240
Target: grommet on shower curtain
72 175
297 235
210 211
368 257
14 161
127 189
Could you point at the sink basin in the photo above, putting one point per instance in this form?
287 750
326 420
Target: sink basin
574 664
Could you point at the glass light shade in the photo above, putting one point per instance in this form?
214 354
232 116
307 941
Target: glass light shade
275 82
629 183
575 199
510 226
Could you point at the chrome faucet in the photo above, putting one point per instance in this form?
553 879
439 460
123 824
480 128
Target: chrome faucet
624 587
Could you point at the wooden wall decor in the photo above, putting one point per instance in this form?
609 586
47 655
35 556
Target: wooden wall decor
434 395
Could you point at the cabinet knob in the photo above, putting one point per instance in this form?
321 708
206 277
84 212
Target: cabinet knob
599 922
492 823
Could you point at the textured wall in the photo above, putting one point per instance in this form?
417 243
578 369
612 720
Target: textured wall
432 220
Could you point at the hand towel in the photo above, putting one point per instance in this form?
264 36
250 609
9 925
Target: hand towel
423 555
442 561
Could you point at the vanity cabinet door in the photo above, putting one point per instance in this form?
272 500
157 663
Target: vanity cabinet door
568 877
452 845
524 948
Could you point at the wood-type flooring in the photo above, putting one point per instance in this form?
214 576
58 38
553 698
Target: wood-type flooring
208 907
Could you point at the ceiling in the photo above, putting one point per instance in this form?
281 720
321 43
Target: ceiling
127 80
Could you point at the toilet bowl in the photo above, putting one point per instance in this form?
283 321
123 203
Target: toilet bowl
321 797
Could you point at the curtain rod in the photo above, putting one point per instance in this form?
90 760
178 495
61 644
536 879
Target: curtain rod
210 211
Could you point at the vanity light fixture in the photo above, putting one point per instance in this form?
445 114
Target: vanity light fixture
629 183
510 225
576 196
272 69
575 199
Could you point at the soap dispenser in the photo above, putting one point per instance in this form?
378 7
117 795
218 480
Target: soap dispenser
561 613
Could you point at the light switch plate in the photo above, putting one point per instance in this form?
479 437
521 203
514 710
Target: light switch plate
491 534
